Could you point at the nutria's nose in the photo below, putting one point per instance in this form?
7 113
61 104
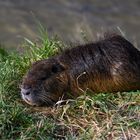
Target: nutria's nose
26 91
26 96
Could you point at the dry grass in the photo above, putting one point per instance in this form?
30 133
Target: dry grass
103 116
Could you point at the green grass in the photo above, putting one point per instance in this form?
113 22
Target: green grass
99 116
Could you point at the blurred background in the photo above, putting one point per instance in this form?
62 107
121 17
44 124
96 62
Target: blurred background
67 19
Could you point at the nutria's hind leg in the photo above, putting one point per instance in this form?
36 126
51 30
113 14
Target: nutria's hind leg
126 78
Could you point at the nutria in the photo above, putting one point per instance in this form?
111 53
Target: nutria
109 65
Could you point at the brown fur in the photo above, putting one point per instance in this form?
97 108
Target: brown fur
109 65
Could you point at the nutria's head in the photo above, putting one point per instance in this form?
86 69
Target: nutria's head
44 83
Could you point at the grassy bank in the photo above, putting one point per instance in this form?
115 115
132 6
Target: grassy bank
100 116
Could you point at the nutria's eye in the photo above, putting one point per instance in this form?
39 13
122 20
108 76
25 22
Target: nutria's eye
54 69
57 68
43 78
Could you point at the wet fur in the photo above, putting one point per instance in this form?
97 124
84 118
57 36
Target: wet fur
109 65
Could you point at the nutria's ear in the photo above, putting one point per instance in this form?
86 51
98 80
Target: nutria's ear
58 67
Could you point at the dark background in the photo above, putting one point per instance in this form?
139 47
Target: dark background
67 18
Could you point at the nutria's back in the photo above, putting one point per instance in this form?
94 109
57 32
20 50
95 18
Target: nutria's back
109 65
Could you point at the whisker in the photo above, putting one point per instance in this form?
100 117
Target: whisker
46 99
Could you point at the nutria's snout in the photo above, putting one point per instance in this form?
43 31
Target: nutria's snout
109 65
36 97
26 96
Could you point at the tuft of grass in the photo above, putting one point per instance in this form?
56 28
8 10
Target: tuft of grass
91 116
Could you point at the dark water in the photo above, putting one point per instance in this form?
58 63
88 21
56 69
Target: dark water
67 18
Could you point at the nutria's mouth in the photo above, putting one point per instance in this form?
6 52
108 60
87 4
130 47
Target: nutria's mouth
28 101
